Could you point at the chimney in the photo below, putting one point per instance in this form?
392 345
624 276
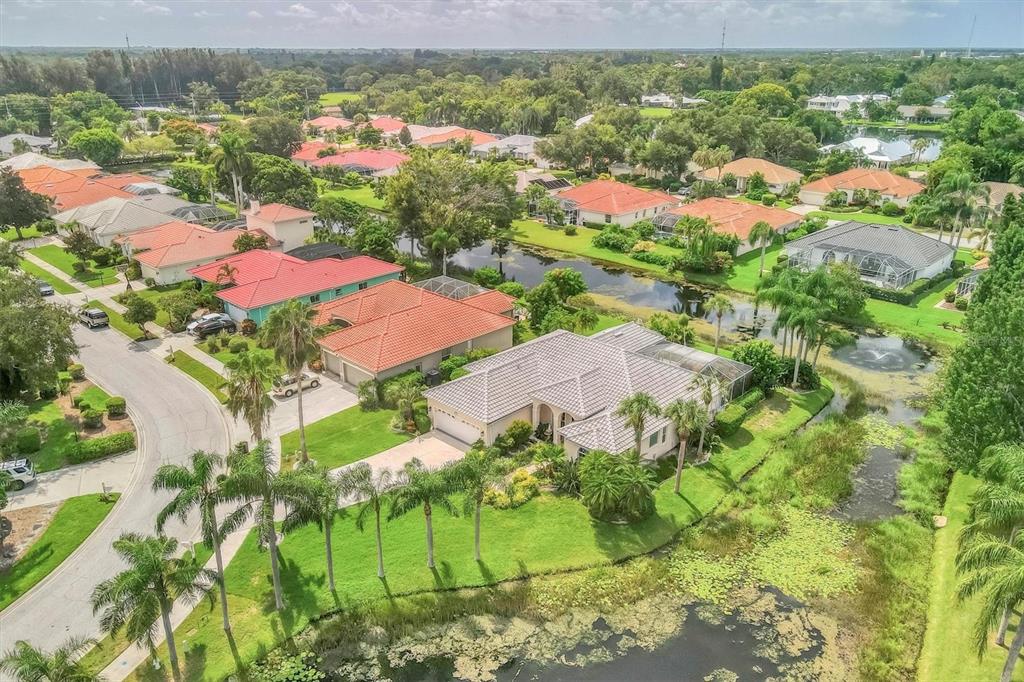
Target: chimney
254 207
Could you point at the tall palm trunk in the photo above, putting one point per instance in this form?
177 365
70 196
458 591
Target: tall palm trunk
817 351
680 458
476 530
797 349
764 245
430 534
302 421
1004 625
1015 646
444 262
330 554
718 333
700 443
275 570
236 185
220 572
380 545
172 650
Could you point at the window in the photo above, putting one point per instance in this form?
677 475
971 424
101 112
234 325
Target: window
445 354
664 434
339 291
419 367
315 298
362 285
607 217
653 440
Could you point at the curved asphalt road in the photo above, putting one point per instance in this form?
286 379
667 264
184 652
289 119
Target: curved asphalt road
174 416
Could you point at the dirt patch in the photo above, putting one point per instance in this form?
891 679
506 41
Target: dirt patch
26 525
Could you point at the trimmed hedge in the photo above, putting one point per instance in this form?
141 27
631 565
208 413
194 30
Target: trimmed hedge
750 398
907 294
729 419
77 372
116 406
27 440
92 419
95 448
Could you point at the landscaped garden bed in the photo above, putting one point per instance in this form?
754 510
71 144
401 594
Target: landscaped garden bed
93 276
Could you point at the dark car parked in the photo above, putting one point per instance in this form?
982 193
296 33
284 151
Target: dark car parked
211 327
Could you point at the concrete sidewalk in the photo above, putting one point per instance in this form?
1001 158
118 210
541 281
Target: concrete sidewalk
107 475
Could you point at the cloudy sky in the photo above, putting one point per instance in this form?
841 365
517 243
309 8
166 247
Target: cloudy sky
512 23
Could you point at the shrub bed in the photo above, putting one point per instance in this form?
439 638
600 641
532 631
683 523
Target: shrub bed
27 440
729 419
95 448
92 419
116 406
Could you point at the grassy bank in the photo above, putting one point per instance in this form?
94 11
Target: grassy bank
361 195
548 534
59 285
201 373
56 256
117 321
76 519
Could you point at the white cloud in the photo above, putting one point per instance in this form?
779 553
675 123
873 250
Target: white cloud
151 8
297 10
202 14
254 15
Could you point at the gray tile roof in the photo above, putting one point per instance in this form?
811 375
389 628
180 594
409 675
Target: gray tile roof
585 376
914 249
33 141
118 215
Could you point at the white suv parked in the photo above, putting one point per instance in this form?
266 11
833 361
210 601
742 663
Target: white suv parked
287 386
21 472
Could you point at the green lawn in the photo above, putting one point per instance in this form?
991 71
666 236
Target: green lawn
59 285
225 355
361 195
548 534
117 321
61 434
859 216
344 437
64 261
655 112
948 652
778 204
71 525
155 294
201 373
334 98
11 235
937 127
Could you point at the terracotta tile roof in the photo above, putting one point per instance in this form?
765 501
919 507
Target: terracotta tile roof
885 182
71 189
329 123
208 129
377 159
773 173
614 197
308 151
276 213
386 124
730 216
266 277
492 301
394 323
178 242
454 134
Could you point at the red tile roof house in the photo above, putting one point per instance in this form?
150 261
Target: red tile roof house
395 327
389 127
309 152
289 225
431 137
167 252
377 163
261 280
731 217
892 187
324 124
610 201
777 177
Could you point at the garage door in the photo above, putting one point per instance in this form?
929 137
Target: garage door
455 427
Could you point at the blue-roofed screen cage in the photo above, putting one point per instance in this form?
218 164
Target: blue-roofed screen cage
881 269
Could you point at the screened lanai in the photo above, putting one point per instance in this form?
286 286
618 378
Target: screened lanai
450 287
880 268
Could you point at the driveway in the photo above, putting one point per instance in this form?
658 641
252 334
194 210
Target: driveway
434 449
111 475
174 416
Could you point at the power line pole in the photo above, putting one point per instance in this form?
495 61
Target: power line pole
970 38
721 48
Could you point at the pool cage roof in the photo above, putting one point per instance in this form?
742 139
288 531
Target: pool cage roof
877 265
450 287
700 362
201 213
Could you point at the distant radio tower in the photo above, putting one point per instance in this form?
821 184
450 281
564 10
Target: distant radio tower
126 43
722 48
970 38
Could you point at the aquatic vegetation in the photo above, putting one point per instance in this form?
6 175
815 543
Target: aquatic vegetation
877 431
705 577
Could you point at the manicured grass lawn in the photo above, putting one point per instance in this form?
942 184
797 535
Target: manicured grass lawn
361 195
948 652
201 373
344 437
921 319
64 261
61 435
117 321
71 525
225 355
548 534
860 217
334 98
11 235
59 285
778 204
155 294
655 112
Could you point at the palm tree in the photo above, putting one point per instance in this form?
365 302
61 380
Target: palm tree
961 194
719 305
636 484
707 396
475 475
687 416
919 145
198 488
404 395
584 320
25 663
315 496
635 409
290 331
424 488
226 274
232 158
137 597
373 489
706 157
255 483
249 374
440 242
763 234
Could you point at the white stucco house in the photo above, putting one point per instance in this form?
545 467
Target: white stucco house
285 224
840 104
610 201
571 386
